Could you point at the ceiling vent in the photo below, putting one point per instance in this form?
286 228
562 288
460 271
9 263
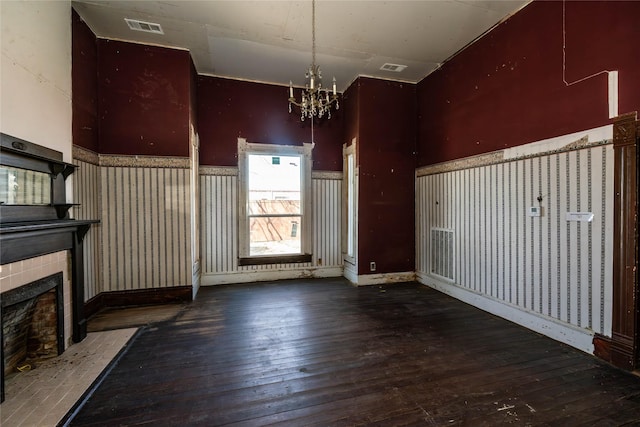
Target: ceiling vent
396 68
148 27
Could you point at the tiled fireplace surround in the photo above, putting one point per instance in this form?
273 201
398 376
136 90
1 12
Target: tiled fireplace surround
20 273
58 386
16 274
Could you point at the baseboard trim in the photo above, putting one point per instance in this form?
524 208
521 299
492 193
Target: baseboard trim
94 305
622 351
382 278
350 272
267 276
135 297
568 334
602 347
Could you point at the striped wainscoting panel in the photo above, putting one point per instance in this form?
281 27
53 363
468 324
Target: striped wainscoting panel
86 192
145 226
327 222
557 269
219 232
218 224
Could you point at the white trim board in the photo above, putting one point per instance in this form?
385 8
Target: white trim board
267 276
601 133
350 272
380 279
578 338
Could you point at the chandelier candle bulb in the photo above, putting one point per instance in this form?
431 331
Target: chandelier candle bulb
291 89
334 86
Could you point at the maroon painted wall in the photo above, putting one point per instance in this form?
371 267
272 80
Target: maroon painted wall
228 109
193 95
351 107
386 159
144 99
507 88
84 84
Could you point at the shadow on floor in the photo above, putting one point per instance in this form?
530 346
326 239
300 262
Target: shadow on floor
128 317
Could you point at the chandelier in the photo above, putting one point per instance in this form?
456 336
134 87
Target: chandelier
316 101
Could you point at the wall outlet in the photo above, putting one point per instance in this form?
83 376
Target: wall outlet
372 266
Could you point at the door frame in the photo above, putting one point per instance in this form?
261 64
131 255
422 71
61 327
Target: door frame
625 336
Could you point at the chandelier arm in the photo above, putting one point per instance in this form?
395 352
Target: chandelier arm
294 102
315 101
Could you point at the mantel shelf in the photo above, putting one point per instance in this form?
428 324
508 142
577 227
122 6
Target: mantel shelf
25 226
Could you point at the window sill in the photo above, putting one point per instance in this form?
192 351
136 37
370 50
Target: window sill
278 259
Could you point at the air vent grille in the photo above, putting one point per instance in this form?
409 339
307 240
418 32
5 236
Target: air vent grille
396 68
148 27
442 251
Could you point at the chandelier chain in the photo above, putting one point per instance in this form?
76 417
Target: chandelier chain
316 101
313 33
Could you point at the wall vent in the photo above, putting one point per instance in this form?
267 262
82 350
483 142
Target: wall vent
396 68
148 27
442 251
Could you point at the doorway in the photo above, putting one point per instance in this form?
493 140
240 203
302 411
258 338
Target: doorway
350 212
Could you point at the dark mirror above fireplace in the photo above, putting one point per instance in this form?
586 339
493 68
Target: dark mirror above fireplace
32 182
24 187
34 211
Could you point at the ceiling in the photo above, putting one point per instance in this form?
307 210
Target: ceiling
270 41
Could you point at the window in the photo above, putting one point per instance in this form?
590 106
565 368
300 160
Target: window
351 184
275 203
350 204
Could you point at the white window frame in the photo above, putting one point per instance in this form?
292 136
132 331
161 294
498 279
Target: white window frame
350 204
305 151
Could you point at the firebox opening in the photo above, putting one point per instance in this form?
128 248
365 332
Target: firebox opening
32 324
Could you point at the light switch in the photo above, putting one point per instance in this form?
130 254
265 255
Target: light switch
535 211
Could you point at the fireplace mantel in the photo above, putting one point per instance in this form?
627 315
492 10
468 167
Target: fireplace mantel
35 223
34 218
24 240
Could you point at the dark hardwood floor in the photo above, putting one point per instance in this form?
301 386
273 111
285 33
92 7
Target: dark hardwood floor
324 353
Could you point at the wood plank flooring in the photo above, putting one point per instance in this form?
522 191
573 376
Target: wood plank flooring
324 353
129 317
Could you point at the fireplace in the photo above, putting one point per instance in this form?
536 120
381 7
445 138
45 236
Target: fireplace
32 323
38 239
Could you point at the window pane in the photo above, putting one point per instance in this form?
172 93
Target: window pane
275 235
274 184
351 186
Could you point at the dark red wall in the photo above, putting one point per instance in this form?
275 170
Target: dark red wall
193 94
507 88
228 109
144 98
386 158
84 84
351 107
